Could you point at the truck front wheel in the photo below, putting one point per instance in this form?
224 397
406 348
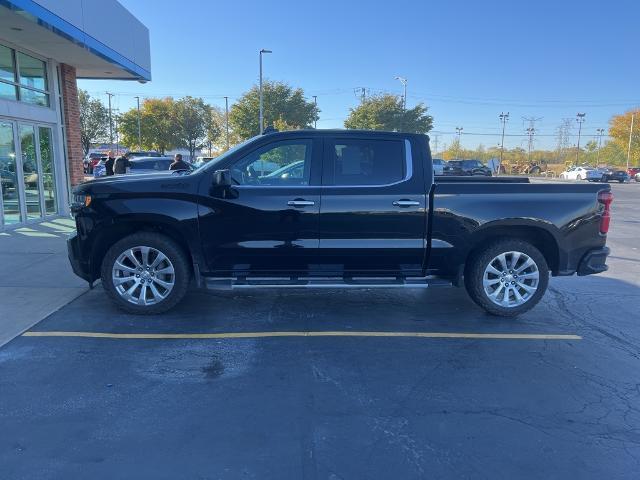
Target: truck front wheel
507 278
145 273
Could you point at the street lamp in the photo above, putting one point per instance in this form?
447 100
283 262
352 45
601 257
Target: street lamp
459 133
580 120
600 132
261 101
504 118
403 81
139 132
315 119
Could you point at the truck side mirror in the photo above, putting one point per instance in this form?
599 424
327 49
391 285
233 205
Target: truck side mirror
222 178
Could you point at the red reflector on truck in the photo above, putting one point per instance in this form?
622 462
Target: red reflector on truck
605 198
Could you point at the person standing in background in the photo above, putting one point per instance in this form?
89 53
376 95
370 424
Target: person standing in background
178 163
108 164
120 165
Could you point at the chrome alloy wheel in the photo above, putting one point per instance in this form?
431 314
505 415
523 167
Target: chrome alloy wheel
143 275
511 279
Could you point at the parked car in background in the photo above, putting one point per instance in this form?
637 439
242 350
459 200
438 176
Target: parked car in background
140 154
91 160
151 165
610 175
595 175
438 166
576 173
466 168
634 172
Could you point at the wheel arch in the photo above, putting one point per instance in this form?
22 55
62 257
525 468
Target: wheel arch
537 235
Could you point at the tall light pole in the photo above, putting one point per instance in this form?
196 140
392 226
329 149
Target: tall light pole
504 118
459 133
261 101
139 131
403 81
600 132
226 118
110 122
315 119
633 117
530 133
580 120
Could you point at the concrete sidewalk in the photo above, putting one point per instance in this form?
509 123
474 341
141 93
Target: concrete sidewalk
35 276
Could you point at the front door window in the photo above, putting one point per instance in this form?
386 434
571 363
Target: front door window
48 171
30 172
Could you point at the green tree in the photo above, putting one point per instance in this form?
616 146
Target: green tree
282 103
94 120
160 130
192 117
386 112
619 129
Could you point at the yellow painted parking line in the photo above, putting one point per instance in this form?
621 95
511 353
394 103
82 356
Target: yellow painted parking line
174 336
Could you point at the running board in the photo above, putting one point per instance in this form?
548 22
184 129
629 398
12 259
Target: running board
218 283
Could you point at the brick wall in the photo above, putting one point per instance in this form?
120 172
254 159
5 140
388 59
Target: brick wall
72 123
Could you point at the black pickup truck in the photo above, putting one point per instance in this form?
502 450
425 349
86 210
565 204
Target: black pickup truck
334 209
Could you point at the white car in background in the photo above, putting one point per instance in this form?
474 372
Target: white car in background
576 173
438 166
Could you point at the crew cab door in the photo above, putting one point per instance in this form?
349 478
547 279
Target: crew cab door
267 221
374 206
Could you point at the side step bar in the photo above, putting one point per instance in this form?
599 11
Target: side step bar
219 283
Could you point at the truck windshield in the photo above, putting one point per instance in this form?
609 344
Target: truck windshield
221 157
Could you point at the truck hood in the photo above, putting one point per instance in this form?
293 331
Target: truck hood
129 183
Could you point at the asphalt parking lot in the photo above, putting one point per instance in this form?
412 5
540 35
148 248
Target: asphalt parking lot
407 384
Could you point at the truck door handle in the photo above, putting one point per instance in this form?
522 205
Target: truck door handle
406 203
300 203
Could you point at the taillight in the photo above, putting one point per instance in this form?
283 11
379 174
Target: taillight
605 198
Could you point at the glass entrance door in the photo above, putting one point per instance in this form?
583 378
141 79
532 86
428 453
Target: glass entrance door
27 171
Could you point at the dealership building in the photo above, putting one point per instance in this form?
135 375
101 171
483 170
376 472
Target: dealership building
45 45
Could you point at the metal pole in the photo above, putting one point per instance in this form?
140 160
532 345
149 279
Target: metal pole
139 131
226 118
315 119
403 81
110 122
503 118
459 132
600 132
261 101
580 120
633 116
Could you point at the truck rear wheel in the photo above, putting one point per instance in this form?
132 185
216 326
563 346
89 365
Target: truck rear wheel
145 273
507 278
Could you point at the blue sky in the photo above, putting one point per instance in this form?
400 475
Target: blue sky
466 60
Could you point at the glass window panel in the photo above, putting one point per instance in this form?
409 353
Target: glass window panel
30 171
367 162
33 72
8 92
8 175
48 170
36 98
7 66
286 163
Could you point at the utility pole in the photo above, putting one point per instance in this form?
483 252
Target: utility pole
580 120
600 132
261 119
403 81
139 131
459 133
315 119
110 122
633 116
530 132
226 118
435 143
116 131
504 118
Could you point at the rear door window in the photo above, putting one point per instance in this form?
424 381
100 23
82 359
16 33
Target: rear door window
353 162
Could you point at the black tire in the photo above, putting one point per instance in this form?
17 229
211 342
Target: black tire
169 248
474 275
